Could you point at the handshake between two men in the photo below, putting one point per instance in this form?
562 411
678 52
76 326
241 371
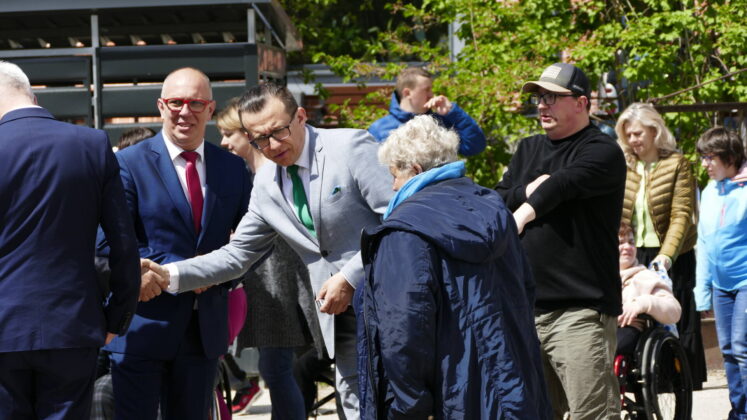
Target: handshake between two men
154 279
334 297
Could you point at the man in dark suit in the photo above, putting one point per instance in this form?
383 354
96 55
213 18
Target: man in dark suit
58 182
185 197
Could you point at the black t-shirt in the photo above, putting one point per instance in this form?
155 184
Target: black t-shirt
572 244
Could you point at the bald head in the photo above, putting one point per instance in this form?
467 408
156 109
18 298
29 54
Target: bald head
15 89
186 75
185 126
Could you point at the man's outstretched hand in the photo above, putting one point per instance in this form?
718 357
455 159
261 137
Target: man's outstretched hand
153 280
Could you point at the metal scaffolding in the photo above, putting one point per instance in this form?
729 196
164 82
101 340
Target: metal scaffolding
100 62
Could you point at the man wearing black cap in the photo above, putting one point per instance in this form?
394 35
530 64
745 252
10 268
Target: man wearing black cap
566 189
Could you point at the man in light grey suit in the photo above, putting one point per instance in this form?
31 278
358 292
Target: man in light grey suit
324 187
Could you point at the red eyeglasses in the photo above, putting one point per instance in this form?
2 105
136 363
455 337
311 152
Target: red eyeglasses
195 105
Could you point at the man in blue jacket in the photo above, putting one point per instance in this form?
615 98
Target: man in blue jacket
185 197
58 182
413 95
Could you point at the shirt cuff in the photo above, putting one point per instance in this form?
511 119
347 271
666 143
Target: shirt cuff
173 278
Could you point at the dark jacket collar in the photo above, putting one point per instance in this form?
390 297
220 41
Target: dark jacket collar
26 112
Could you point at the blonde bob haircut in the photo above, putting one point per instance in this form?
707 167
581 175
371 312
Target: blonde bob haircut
422 141
649 117
228 118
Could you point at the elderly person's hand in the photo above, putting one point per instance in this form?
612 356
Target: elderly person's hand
631 310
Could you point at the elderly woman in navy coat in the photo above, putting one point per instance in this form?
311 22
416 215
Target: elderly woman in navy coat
446 325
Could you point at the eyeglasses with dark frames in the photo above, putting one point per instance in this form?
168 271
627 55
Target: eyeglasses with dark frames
548 98
262 141
707 158
194 105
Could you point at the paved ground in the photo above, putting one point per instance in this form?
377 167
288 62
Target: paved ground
261 410
712 403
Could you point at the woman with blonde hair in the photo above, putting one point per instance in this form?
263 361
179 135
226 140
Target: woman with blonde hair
660 204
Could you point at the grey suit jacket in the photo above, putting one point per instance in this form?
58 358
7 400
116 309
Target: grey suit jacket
349 191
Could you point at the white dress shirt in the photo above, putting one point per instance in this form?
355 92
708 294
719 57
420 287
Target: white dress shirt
180 164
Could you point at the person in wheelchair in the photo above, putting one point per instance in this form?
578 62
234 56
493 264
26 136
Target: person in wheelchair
644 291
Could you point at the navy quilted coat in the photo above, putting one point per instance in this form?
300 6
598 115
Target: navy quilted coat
445 316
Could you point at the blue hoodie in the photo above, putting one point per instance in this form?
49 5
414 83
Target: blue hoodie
446 311
471 137
722 239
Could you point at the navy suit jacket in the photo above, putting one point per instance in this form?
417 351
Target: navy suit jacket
165 232
58 182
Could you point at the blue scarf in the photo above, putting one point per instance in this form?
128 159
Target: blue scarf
422 180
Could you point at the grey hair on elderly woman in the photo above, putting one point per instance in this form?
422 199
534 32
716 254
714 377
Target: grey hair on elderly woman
418 146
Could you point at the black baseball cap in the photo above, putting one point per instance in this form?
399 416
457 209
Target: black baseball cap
561 78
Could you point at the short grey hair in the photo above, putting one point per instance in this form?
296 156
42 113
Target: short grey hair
422 141
13 77
649 117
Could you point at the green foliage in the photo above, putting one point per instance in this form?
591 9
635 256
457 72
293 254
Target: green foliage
655 47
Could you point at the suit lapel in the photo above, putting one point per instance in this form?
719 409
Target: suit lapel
166 171
212 180
315 179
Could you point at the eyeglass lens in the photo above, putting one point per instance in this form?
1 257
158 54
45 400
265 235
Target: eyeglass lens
176 104
280 134
548 98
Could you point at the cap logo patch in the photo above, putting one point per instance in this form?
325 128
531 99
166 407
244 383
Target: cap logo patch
551 72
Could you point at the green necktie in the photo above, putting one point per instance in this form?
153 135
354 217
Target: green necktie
299 200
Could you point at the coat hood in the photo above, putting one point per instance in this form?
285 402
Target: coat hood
464 220
399 113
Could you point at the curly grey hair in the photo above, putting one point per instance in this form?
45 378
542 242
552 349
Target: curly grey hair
422 141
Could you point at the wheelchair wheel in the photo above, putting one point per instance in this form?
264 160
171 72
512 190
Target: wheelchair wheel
666 383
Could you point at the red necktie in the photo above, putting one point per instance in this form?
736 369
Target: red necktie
194 188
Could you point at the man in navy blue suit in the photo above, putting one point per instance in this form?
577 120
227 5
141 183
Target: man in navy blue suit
185 197
58 182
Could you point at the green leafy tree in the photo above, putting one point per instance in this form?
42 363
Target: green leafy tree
655 47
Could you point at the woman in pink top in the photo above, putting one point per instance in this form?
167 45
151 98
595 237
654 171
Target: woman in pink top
643 292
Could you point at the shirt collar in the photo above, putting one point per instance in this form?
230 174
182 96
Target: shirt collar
175 151
304 159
